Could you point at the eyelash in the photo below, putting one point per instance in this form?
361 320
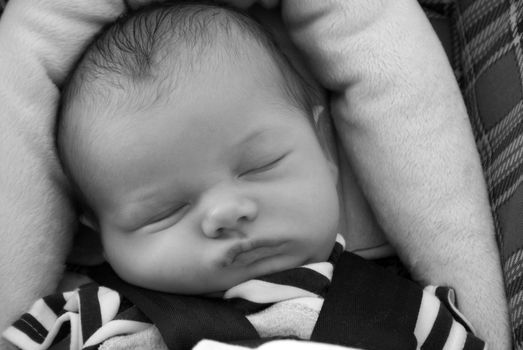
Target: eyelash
163 216
264 167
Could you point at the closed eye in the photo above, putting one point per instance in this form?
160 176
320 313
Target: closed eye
264 166
166 217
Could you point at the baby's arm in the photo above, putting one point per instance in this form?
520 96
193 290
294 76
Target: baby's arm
402 121
39 42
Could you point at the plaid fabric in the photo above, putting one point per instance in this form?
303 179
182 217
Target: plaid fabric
487 56
489 34
486 52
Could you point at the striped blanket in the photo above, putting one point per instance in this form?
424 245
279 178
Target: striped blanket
283 304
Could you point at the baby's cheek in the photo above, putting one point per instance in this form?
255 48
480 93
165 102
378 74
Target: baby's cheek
127 256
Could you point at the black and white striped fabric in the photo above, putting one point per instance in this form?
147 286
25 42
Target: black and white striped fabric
85 317
273 304
93 313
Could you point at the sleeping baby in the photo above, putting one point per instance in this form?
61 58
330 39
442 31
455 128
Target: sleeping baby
200 156
203 159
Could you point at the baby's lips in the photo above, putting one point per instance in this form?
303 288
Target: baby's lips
254 255
250 252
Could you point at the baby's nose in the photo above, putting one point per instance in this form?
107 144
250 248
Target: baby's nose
228 215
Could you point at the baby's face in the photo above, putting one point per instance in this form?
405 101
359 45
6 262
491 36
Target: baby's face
225 182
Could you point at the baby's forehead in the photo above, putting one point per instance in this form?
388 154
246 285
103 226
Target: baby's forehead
112 96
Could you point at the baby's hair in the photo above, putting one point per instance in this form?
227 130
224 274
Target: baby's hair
143 44
134 56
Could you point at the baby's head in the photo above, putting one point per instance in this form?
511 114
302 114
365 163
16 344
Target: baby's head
189 139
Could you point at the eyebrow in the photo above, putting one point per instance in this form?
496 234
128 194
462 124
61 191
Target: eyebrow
253 136
263 135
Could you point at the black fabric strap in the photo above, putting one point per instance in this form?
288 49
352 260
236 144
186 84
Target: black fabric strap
383 308
182 320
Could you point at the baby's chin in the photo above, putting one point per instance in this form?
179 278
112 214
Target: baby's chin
215 284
